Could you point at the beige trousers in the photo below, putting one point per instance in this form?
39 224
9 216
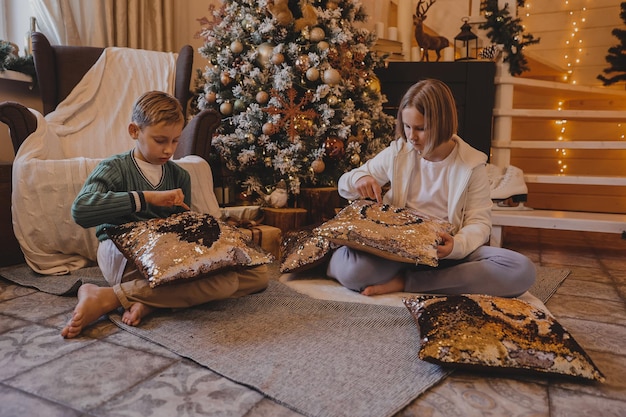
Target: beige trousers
228 284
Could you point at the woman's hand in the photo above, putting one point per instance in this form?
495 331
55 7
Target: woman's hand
445 247
166 198
369 188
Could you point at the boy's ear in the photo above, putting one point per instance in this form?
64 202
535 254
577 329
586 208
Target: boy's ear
133 130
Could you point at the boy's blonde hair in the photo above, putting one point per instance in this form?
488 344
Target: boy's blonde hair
154 107
434 100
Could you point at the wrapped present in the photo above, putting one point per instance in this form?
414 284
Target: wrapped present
285 219
267 237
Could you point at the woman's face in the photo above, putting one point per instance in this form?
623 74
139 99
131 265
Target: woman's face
413 125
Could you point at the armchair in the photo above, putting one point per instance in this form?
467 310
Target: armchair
60 68
87 93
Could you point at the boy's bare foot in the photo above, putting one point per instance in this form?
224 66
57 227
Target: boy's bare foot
395 284
93 302
135 313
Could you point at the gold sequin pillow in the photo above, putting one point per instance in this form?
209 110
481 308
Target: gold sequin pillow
184 246
399 234
483 331
301 250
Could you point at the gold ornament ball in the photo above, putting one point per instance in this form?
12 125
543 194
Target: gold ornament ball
262 97
317 34
355 159
374 83
334 147
210 97
332 100
225 78
278 59
303 63
264 53
318 166
312 74
323 46
268 128
226 108
331 76
236 47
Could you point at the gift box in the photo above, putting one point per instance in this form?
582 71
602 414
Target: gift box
267 237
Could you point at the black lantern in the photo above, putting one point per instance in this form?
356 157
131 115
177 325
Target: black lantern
466 42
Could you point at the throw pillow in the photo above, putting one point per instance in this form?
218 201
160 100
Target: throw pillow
400 234
184 246
301 250
496 333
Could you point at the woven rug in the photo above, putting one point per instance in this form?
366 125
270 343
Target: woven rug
317 357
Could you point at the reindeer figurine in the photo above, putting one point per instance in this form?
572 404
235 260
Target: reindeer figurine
425 41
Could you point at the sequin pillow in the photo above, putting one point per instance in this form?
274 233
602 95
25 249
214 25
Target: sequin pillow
481 331
301 250
184 246
399 234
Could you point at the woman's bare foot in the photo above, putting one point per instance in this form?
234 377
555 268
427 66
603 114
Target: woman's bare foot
93 302
395 284
135 313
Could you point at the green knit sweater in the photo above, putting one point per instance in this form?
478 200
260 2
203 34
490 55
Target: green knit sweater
106 197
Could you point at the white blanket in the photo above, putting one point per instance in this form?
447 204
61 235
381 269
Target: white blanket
89 125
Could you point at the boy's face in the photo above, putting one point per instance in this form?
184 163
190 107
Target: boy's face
156 144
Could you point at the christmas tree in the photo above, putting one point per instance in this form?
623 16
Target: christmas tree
617 54
504 29
295 84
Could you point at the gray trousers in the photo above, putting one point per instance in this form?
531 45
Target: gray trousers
488 270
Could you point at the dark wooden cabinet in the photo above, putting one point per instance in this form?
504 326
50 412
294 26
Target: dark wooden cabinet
471 82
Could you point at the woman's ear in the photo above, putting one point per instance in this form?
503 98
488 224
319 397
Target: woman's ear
133 130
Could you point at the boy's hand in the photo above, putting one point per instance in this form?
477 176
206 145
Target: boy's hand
167 198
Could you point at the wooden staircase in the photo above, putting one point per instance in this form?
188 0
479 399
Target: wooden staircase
591 196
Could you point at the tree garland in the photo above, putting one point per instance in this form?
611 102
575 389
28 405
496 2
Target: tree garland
503 29
10 61
617 54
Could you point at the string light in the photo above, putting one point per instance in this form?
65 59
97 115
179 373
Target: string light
572 57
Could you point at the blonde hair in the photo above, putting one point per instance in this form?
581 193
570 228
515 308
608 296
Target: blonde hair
434 100
154 107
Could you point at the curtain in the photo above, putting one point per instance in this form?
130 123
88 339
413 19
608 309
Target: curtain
141 24
4 35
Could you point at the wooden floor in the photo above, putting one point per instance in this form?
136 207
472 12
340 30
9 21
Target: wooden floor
109 372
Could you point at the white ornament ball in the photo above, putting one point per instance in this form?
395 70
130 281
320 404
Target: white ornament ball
331 76
312 74
317 34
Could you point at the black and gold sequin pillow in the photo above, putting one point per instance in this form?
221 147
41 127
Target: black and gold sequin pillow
395 233
303 249
184 246
481 331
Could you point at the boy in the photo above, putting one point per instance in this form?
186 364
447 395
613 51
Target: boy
139 185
